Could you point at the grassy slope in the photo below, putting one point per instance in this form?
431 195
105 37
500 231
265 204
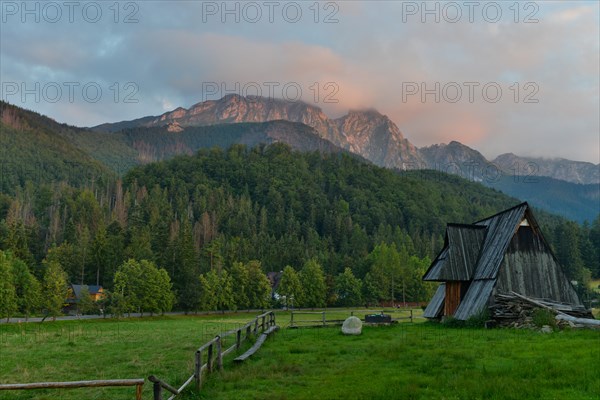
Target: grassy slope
401 362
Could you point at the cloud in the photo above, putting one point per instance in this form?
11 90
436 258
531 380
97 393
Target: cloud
369 56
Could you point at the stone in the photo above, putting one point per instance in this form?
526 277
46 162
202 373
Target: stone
546 329
352 326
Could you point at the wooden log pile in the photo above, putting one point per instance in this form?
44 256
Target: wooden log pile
515 310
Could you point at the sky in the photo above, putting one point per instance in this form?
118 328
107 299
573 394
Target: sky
519 77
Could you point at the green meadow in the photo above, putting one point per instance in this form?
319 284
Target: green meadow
403 361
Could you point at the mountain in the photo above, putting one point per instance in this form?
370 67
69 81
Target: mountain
575 201
37 148
456 158
571 200
163 142
366 133
79 155
375 137
557 168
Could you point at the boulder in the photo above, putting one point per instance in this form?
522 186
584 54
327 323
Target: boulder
352 326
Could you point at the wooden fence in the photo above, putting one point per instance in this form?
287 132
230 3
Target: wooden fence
138 383
209 356
323 321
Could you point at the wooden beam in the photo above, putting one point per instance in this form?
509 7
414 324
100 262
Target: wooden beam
72 384
592 323
256 345
164 385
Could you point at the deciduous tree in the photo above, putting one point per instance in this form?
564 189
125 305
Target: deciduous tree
313 283
290 287
348 289
8 295
54 289
259 287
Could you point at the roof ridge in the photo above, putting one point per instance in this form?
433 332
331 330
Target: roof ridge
502 212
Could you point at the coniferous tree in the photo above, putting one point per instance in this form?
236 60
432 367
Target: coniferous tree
186 269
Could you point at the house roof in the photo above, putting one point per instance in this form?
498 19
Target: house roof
475 299
500 230
461 251
436 304
474 253
92 289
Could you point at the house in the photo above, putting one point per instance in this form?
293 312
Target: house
74 295
498 255
96 292
274 279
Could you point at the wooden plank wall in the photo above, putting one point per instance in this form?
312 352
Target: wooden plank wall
452 299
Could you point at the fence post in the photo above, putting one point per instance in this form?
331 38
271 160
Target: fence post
256 326
323 318
209 361
411 315
238 338
198 369
247 331
219 354
157 391
292 320
262 324
138 392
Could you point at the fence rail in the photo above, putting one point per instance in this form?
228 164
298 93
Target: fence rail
323 321
138 383
209 356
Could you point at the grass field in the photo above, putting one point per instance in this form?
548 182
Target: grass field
405 361
104 349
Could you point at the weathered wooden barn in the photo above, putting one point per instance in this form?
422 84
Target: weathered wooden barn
498 255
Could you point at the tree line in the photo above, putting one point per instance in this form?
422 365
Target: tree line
219 219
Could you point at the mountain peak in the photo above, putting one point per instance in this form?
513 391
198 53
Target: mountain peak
367 133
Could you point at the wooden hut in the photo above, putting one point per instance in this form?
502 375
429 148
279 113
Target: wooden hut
498 255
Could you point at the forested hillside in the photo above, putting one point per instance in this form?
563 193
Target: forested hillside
35 148
574 201
214 219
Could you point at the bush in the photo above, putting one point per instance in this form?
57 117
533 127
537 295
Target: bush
543 317
479 320
453 322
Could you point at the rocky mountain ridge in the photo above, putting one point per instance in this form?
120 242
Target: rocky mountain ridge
366 133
